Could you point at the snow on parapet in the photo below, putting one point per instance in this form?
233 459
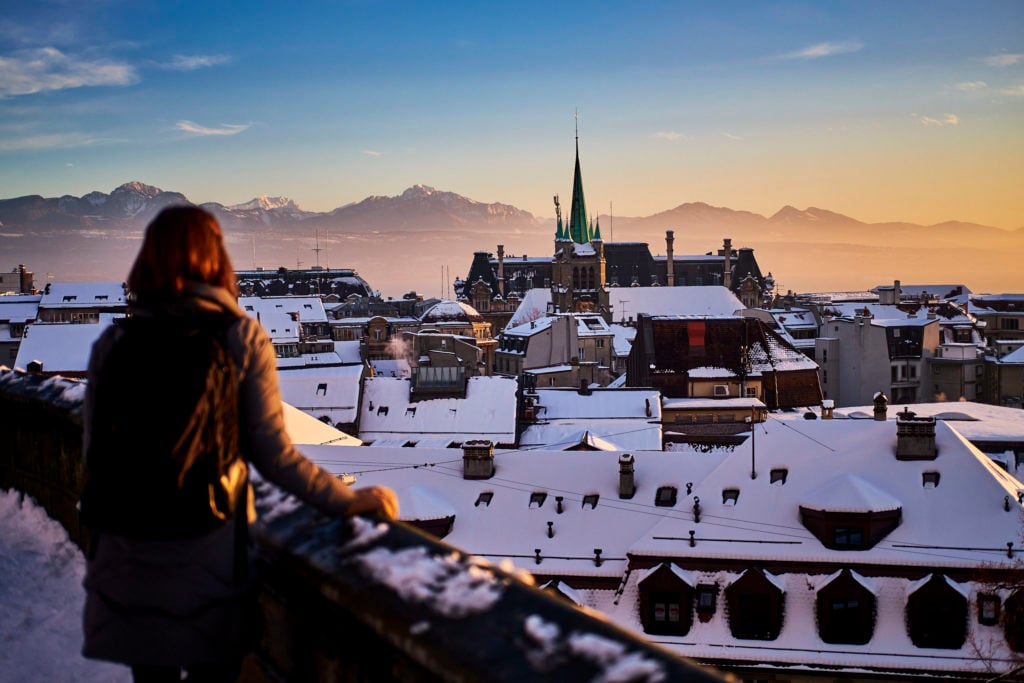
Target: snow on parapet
445 584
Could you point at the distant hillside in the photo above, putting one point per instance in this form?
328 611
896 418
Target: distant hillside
424 238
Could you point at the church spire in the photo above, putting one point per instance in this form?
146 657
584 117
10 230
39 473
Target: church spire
579 229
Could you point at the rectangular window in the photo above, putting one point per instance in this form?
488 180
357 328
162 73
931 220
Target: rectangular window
849 537
1009 324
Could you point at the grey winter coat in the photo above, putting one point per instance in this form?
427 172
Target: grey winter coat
177 602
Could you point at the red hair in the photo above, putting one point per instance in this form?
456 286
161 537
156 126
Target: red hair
183 244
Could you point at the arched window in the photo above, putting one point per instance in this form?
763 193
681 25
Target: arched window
755 606
937 613
666 600
846 610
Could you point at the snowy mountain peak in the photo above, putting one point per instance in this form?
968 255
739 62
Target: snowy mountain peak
418 190
266 203
135 187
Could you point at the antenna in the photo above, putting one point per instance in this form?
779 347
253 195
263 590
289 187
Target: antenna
576 118
316 249
611 222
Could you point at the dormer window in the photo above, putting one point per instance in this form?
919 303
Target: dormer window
590 500
846 610
730 496
778 476
849 513
666 496
69 298
537 499
321 389
484 499
988 609
929 480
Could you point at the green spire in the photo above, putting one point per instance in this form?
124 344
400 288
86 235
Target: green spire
597 231
579 231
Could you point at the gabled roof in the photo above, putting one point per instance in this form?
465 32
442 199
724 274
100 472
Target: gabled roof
323 391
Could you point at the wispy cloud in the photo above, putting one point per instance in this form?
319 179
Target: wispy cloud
1014 91
971 86
225 128
731 136
1005 59
372 153
670 135
39 70
193 62
945 120
43 142
819 50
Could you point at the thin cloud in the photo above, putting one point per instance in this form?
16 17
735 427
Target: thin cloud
43 69
731 136
372 153
670 135
193 62
1005 59
43 142
971 86
946 120
1015 91
225 128
819 50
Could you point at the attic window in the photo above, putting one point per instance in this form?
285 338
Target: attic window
988 609
248 307
484 499
778 476
537 499
321 389
383 410
666 496
591 500
101 297
410 411
848 537
730 496
69 297
721 390
309 306
929 480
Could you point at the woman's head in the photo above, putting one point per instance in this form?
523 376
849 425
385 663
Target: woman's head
183 244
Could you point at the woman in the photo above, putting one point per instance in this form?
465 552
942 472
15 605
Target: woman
163 605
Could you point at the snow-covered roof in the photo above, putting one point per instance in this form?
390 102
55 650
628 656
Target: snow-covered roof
21 308
1014 357
708 300
705 403
331 392
83 295
487 412
565 404
953 516
310 309
977 422
61 347
622 339
306 429
391 368
451 311
533 305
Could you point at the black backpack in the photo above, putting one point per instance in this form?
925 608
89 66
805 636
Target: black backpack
163 459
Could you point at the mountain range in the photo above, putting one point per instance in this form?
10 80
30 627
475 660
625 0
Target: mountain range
424 237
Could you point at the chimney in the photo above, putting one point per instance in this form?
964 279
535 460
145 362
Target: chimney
501 270
896 291
670 268
478 459
915 437
727 263
881 402
627 482
827 406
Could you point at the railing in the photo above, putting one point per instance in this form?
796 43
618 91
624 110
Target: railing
355 600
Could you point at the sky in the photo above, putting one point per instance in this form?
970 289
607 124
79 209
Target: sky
910 111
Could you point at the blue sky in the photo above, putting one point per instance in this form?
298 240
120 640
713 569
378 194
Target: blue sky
881 110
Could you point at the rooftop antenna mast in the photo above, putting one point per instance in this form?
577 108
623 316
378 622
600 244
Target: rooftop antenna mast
316 249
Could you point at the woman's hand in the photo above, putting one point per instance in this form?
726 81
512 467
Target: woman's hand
379 499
